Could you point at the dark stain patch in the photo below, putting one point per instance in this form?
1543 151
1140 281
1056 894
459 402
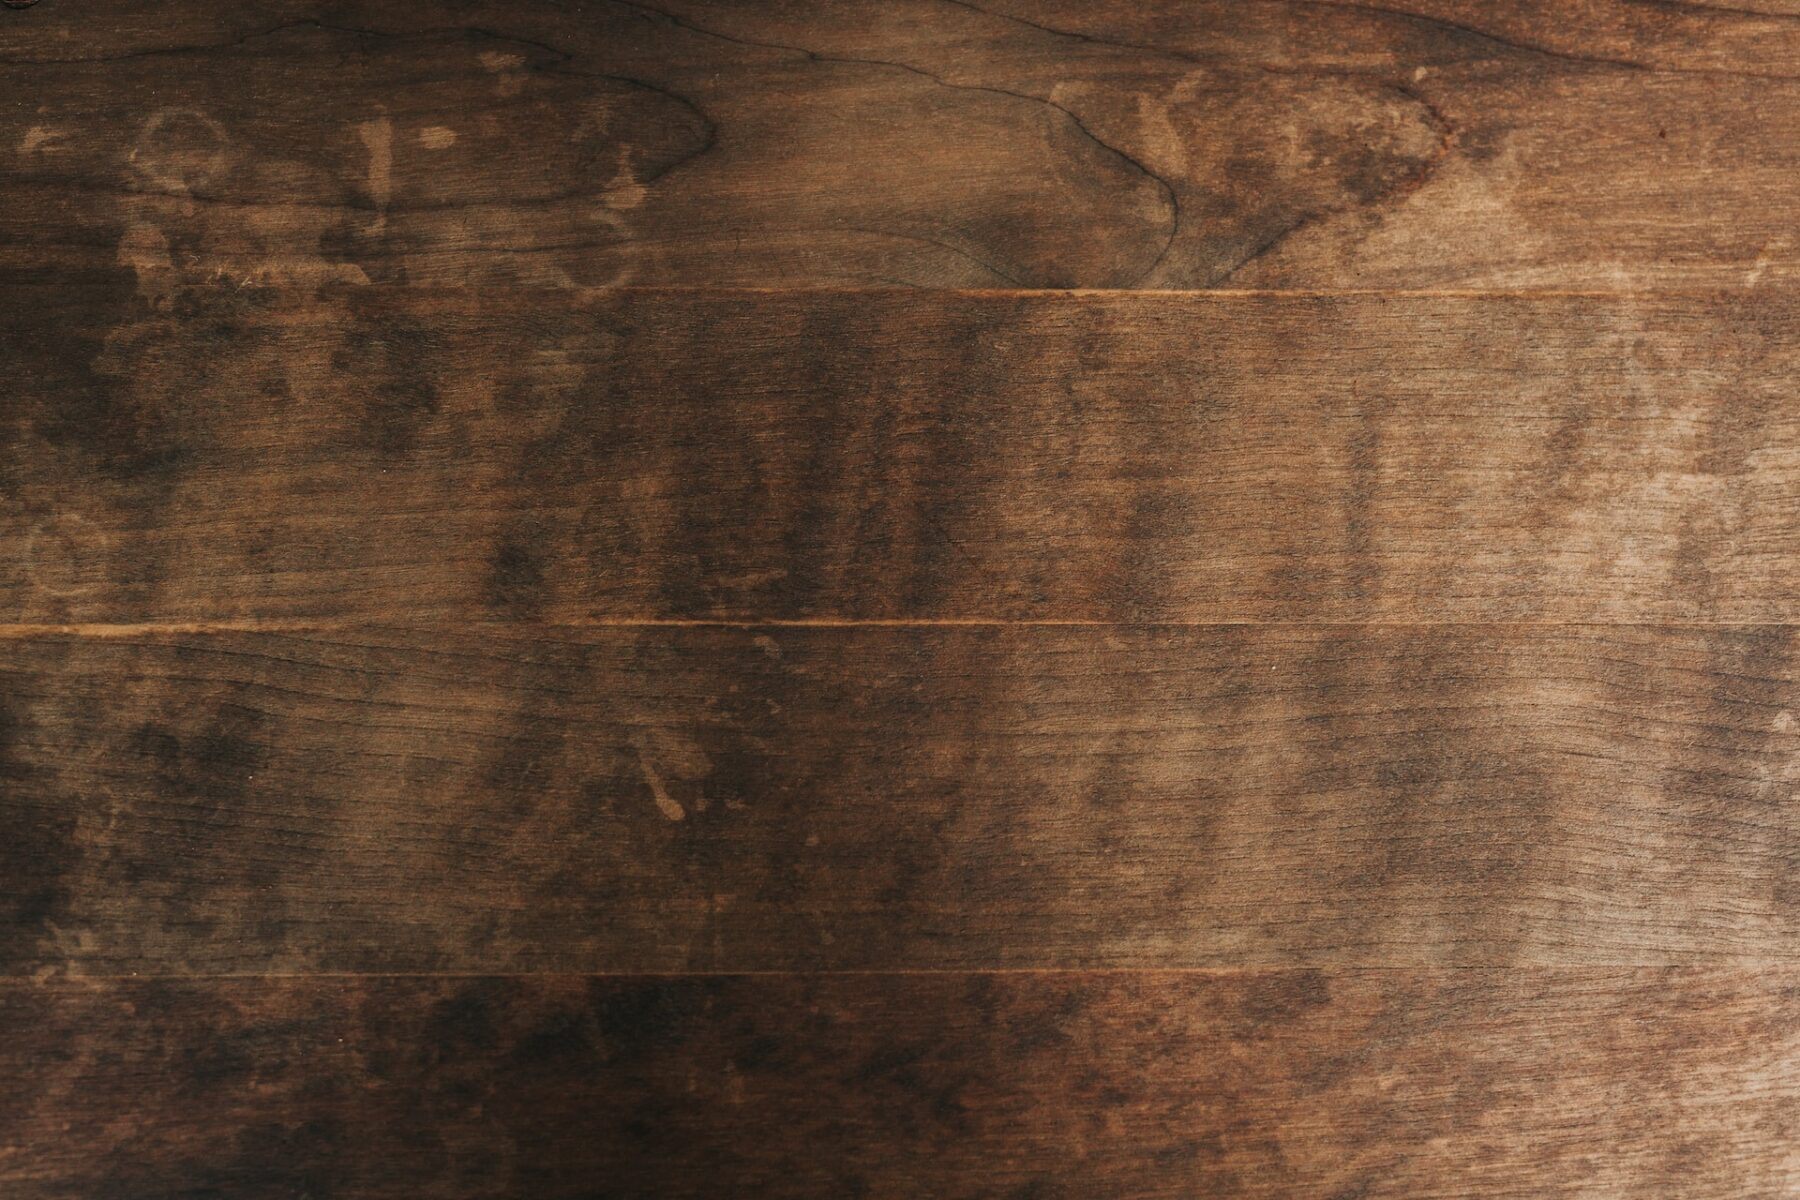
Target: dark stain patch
1372 147
890 1062
130 402
763 1052
923 1083
562 1041
13 764
394 359
1481 144
396 412
304 1160
642 1018
1367 175
116 407
215 764
300 1161
39 863
40 854
131 437
516 583
982 997
231 1058
158 747
622 1022
600 794
467 1022
1283 997
206 838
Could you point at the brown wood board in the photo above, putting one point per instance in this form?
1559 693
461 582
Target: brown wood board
503 800
1608 144
1315 1084
596 456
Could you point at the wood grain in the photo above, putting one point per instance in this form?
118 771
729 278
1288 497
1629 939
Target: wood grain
497 800
562 456
1245 1084
1009 599
1614 144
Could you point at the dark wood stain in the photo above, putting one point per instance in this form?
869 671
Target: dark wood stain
1394 1083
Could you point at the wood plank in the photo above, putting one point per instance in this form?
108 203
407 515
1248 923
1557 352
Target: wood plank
506 800
566 456
1015 143
1243 1084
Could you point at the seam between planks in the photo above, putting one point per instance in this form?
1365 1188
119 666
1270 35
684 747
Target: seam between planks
480 297
1693 967
101 631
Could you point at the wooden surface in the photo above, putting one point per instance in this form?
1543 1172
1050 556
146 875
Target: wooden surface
1013 143
720 799
1257 1084
1016 600
457 455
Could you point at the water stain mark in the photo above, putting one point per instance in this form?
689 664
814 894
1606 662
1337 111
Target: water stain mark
378 137
55 550
40 138
180 150
666 804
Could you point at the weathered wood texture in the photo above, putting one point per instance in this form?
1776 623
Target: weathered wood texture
497 801
570 456
1028 143
1288 1084
431 599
